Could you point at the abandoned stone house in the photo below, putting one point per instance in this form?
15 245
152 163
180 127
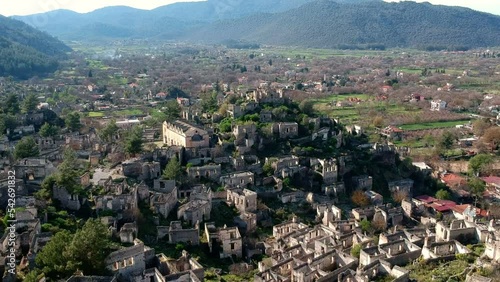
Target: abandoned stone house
116 203
443 250
245 131
416 236
265 94
163 202
328 170
71 201
246 162
33 170
378 268
136 168
286 228
47 143
403 185
292 197
286 130
25 230
461 230
227 239
184 268
181 133
362 182
246 221
79 142
283 164
391 215
36 118
196 210
243 199
308 267
131 261
128 232
234 111
238 180
492 245
333 190
399 252
266 116
163 185
212 172
374 197
328 213
177 234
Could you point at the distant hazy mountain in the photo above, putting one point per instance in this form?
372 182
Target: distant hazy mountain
310 23
26 51
328 24
164 22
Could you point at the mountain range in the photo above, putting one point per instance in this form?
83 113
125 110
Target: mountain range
306 23
26 51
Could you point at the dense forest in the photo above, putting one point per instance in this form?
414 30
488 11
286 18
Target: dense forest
25 51
358 24
327 24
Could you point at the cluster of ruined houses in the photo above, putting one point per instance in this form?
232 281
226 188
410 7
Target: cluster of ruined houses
297 252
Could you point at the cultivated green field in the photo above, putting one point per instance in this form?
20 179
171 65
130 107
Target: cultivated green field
431 125
121 113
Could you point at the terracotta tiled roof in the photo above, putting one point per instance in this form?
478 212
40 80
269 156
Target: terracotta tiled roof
453 179
443 205
492 180
426 199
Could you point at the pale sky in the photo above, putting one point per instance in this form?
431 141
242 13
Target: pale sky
26 7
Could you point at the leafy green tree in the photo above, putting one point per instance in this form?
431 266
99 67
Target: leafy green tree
133 141
443 195
86 250
11 105
30 103
73 121
48 130
172 110
209 102
477 186
447 140
7 121
90 247
53 259
109 131
33 276
268 169
225 125
68 171
173 170
365 225
306 107
26 148
479 164
356 250
287 182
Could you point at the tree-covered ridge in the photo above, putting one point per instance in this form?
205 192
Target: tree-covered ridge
25 51
307 23
327 24
21 33
166 22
